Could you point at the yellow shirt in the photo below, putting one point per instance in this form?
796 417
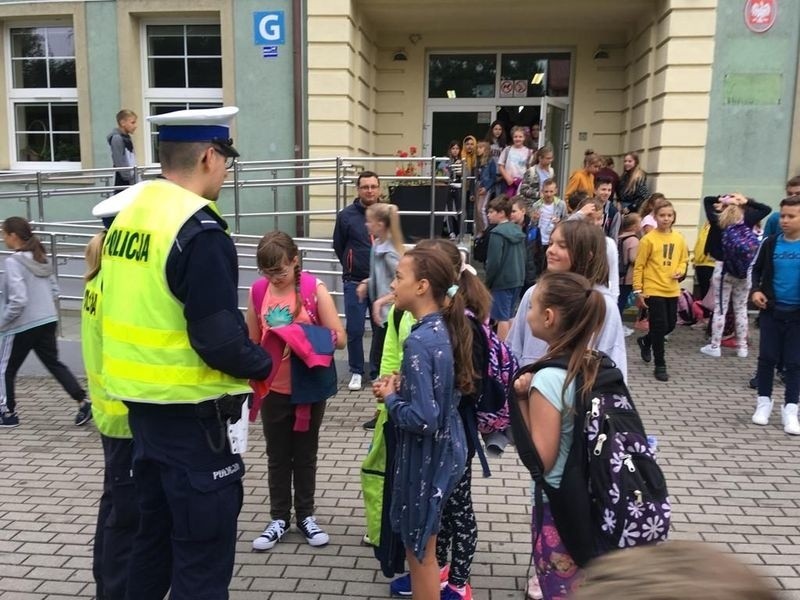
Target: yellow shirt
580 181
661 256
701 259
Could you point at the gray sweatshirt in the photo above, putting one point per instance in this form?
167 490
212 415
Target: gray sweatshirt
611 339
29 291
122 153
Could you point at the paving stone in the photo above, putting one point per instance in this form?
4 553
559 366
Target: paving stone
733 484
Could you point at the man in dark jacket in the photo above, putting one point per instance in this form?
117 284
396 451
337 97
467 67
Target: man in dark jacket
352 244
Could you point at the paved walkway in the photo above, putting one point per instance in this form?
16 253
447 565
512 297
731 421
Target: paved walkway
732 483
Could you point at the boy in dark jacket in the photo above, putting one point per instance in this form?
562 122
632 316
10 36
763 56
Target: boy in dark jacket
505 263
776 293
352 244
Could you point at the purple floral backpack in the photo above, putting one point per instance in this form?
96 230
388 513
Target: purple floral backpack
613 493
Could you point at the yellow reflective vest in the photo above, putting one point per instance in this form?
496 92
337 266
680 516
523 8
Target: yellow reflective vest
147 356
110 416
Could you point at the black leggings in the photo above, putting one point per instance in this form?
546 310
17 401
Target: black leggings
458 532
42 340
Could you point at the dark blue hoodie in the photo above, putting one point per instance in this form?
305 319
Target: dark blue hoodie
352 242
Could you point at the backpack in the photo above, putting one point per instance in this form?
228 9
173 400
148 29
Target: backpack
739 247
492 406
612 493
623 262
480 246
686 314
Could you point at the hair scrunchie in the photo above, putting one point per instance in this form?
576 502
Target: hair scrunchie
451 291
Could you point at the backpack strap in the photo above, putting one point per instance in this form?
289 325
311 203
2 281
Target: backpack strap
257 292
308 295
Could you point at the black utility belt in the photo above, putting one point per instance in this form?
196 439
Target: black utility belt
225 406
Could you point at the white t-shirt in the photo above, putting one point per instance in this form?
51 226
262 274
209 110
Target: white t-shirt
546 224
515 161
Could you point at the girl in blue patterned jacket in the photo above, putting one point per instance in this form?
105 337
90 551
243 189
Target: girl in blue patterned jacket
423 405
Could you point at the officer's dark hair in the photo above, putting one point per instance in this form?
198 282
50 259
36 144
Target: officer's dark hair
272 250
180 156
366 175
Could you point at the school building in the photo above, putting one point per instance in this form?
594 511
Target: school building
704 90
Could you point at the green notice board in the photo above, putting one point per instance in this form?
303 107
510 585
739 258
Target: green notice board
753 88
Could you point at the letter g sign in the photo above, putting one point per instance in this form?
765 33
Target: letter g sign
268 28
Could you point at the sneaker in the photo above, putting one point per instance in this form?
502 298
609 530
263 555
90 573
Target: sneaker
661 373
534 591
84 414
365 541
355 383
271 536
715 351
9 420
451 592
763 410
370 425
313 533
644 349
627 330
753 383
789 419
741 352
402 585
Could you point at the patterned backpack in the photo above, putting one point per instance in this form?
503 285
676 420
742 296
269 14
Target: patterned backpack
492 409
612 493
739 247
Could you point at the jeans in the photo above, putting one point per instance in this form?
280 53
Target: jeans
625 290
42 340
355 311
291 457
780 338
663 315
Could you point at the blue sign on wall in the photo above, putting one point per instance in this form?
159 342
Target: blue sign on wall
269 28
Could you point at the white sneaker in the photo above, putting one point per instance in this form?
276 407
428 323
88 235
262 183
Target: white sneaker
789 419
626 331
271 536
741 351
313 533
764 410
355 383
711 350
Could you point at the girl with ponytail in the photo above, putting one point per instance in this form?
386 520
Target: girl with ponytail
423 404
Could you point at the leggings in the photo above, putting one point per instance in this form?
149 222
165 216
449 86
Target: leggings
737 290
458 532
663 317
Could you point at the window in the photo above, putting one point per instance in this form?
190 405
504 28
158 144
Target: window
43 106
462 75
183 69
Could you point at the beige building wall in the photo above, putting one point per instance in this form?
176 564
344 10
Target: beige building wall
668 87
651 95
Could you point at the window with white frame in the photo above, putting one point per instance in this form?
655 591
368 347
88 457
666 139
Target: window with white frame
183 69
43 97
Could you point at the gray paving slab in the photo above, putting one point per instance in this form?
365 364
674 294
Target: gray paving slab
733 484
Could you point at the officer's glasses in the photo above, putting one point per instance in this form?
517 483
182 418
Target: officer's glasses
228 159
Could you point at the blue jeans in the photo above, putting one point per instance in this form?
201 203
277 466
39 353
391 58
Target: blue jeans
355 311
780 338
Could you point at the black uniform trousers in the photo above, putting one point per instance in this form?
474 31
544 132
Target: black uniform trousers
189 487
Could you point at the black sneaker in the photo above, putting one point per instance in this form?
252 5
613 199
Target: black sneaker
644 349
369 425
313 533
84 414
9 420
753 383
661 374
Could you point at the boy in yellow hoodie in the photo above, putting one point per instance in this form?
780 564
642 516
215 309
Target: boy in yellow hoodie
660 265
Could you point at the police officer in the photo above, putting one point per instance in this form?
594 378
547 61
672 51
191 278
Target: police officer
176 350
118 513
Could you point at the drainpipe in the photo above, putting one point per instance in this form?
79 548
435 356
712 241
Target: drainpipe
298 77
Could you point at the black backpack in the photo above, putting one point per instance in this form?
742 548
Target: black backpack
480 246
612 493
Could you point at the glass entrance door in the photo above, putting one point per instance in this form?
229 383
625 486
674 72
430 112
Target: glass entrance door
555 133
444 125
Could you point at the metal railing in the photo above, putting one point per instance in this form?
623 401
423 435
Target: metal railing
36 189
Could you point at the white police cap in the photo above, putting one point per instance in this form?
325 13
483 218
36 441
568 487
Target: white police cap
110 207
198 125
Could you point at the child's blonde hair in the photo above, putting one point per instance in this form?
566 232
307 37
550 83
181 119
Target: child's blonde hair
731 215
94 255
387 214
677 570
